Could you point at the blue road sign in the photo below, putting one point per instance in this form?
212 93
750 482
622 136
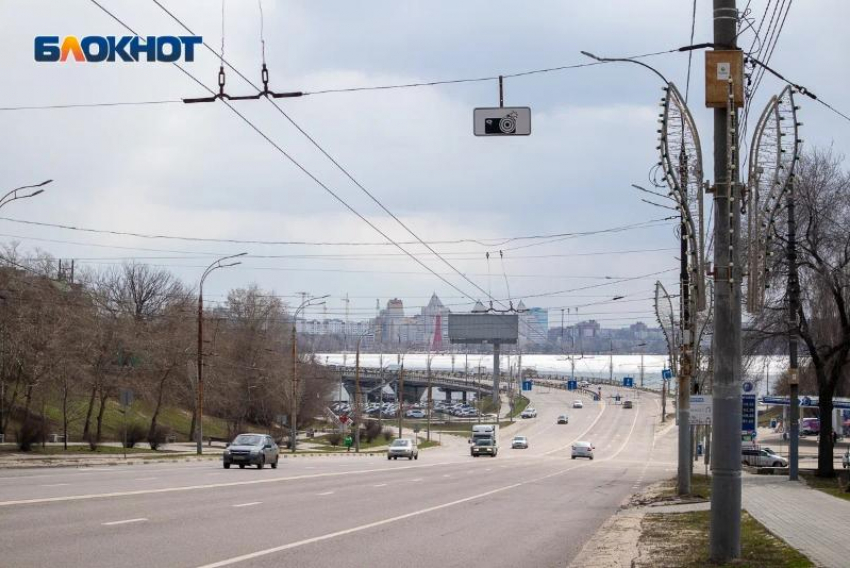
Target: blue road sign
526 385
572 385
628 381
666 374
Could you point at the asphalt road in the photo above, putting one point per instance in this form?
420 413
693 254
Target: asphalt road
534 507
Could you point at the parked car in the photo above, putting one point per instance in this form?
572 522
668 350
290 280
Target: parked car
415 413
627 404
403 448
563 419
762 457
528 413
251 449
519 443
583 450
578 404
845 460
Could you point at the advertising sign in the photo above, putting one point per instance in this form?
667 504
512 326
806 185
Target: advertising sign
701 408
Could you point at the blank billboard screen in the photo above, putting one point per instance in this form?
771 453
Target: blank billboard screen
483 328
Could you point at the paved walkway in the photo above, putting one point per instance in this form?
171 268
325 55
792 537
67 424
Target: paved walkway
813 522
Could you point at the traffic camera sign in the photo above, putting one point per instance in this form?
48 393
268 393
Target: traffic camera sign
502 121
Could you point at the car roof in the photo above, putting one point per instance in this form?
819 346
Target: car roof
582 443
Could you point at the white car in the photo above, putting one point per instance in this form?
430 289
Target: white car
403 448
415 413
528 413
583 450
519 442
578 404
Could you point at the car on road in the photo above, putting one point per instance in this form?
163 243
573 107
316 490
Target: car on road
403 448
415 413
809 427
519 443
762 457
578 404
484 447
582 450
627 404
583 384
845 460
251 449
528 413
563 419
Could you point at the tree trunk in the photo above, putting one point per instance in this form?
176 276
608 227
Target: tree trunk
192 426
87 425
826 468
104 396
152 429
7 415
65 413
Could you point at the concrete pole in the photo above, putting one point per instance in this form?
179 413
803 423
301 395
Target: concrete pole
793 308
496 372
357 398
430 398
400 398
684 391
293 427
725 533
199 423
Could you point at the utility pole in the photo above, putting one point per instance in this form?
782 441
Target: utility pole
430 395
725 533
400 397
611 364
684 387
357 399
793 309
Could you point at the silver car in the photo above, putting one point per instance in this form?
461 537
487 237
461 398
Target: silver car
519 442
403 448
251 449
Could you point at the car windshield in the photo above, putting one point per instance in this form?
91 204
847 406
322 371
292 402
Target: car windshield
485 442
398 443
247 440
519 439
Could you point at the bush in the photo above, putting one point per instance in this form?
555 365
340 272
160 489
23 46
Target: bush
372 431
334 438
157 437
29 434
132 434
388 434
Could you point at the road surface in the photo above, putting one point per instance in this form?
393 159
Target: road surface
534 507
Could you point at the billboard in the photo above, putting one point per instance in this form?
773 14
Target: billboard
483 328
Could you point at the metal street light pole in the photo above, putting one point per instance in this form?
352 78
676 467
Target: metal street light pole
12 195
199 424
293 400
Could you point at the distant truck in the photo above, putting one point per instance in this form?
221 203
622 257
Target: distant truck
482 431
809 427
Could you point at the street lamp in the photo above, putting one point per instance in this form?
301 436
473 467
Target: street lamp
293 427
199 431
357 392
13 194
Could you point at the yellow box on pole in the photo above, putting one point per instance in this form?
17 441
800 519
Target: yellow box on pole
720 66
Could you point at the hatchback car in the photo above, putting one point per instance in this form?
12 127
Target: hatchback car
519 443
251 449
578 404
563 419
403 448
582 450
528 413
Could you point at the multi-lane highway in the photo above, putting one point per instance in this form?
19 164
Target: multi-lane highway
534 507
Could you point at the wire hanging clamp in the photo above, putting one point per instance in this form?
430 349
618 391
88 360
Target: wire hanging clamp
266 92
220 95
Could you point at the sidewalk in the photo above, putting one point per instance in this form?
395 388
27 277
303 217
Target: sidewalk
812 522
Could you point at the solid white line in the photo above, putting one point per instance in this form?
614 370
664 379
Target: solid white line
211 485
380 485
56 485
144 478
251 504
417 479
113 523
325 493
266 552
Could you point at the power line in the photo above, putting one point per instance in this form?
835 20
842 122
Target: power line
91 105
691 53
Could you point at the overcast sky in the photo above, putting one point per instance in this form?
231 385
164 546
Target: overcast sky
200 171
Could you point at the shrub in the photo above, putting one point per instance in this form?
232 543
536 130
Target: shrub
132 434
157 437
372 431
334 438
30 433
388 434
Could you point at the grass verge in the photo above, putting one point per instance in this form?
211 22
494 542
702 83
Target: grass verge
700 487
832 486
76 450
520 404
680 540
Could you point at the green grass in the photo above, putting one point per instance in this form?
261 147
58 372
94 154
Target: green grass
74 450
520 404
174 420
769 414
832 486
700 487
680 540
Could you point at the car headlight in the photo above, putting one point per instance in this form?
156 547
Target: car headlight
226 452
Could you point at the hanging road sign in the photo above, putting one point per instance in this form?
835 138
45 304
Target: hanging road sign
502 121
526 385
628 381
572 385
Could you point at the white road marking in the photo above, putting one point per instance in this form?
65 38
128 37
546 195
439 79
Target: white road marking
211 485
447 475
144 478
251 504
580 436
56 485
267 551
380 485
113 523
325 493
